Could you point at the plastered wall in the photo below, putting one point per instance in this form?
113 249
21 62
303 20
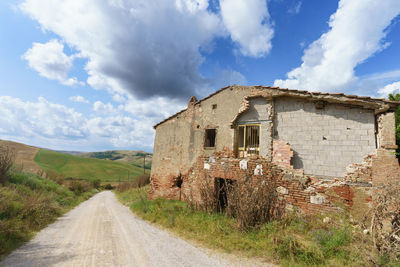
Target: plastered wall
325 141
180 140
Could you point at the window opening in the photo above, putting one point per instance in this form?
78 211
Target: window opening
249 138
210 138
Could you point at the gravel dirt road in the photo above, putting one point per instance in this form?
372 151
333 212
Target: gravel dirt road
103 232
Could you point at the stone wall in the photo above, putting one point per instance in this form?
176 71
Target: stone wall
327 139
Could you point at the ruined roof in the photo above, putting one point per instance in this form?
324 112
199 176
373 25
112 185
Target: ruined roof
319 95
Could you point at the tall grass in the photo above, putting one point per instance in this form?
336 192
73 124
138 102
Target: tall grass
28 203
293 240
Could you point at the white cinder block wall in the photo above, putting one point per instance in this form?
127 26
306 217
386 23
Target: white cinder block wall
325 141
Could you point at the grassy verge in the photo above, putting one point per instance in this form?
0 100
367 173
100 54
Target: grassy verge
85 168
293 241
28 203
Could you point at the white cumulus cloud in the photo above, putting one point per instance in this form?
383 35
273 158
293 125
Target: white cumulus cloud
50 61
79 99
103 108
393 88
248 22
40 118
56 126
357 32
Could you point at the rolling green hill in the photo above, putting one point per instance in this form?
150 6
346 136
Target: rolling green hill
86 168
132 157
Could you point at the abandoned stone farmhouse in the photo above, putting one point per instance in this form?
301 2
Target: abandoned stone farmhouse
327 147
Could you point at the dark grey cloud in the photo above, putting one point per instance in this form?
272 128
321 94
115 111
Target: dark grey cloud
149 48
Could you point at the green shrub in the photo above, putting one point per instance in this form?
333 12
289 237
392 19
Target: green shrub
96 183
330 241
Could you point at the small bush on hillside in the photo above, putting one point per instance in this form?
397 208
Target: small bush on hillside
55 176
96 183
7 158
125 186
142 180
79 187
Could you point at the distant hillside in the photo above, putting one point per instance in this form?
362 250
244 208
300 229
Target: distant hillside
132 157
75 153
86 168
24 155
35 160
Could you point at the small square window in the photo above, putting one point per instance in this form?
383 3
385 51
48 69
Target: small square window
210 138
214 106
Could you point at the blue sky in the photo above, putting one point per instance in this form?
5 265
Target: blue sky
94 75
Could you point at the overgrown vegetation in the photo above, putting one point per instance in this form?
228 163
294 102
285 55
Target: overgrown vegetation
75 167
250 201
385 224
396 97
7 157
140 181
29 202
292 241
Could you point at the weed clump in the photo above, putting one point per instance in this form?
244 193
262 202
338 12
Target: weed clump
7 158
252 201
139 182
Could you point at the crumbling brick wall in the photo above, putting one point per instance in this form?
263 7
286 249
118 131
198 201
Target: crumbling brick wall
296 191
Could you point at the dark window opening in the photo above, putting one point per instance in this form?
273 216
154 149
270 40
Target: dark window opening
320 105
214 106
179 181
210 138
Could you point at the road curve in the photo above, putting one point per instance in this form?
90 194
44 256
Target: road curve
103 232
